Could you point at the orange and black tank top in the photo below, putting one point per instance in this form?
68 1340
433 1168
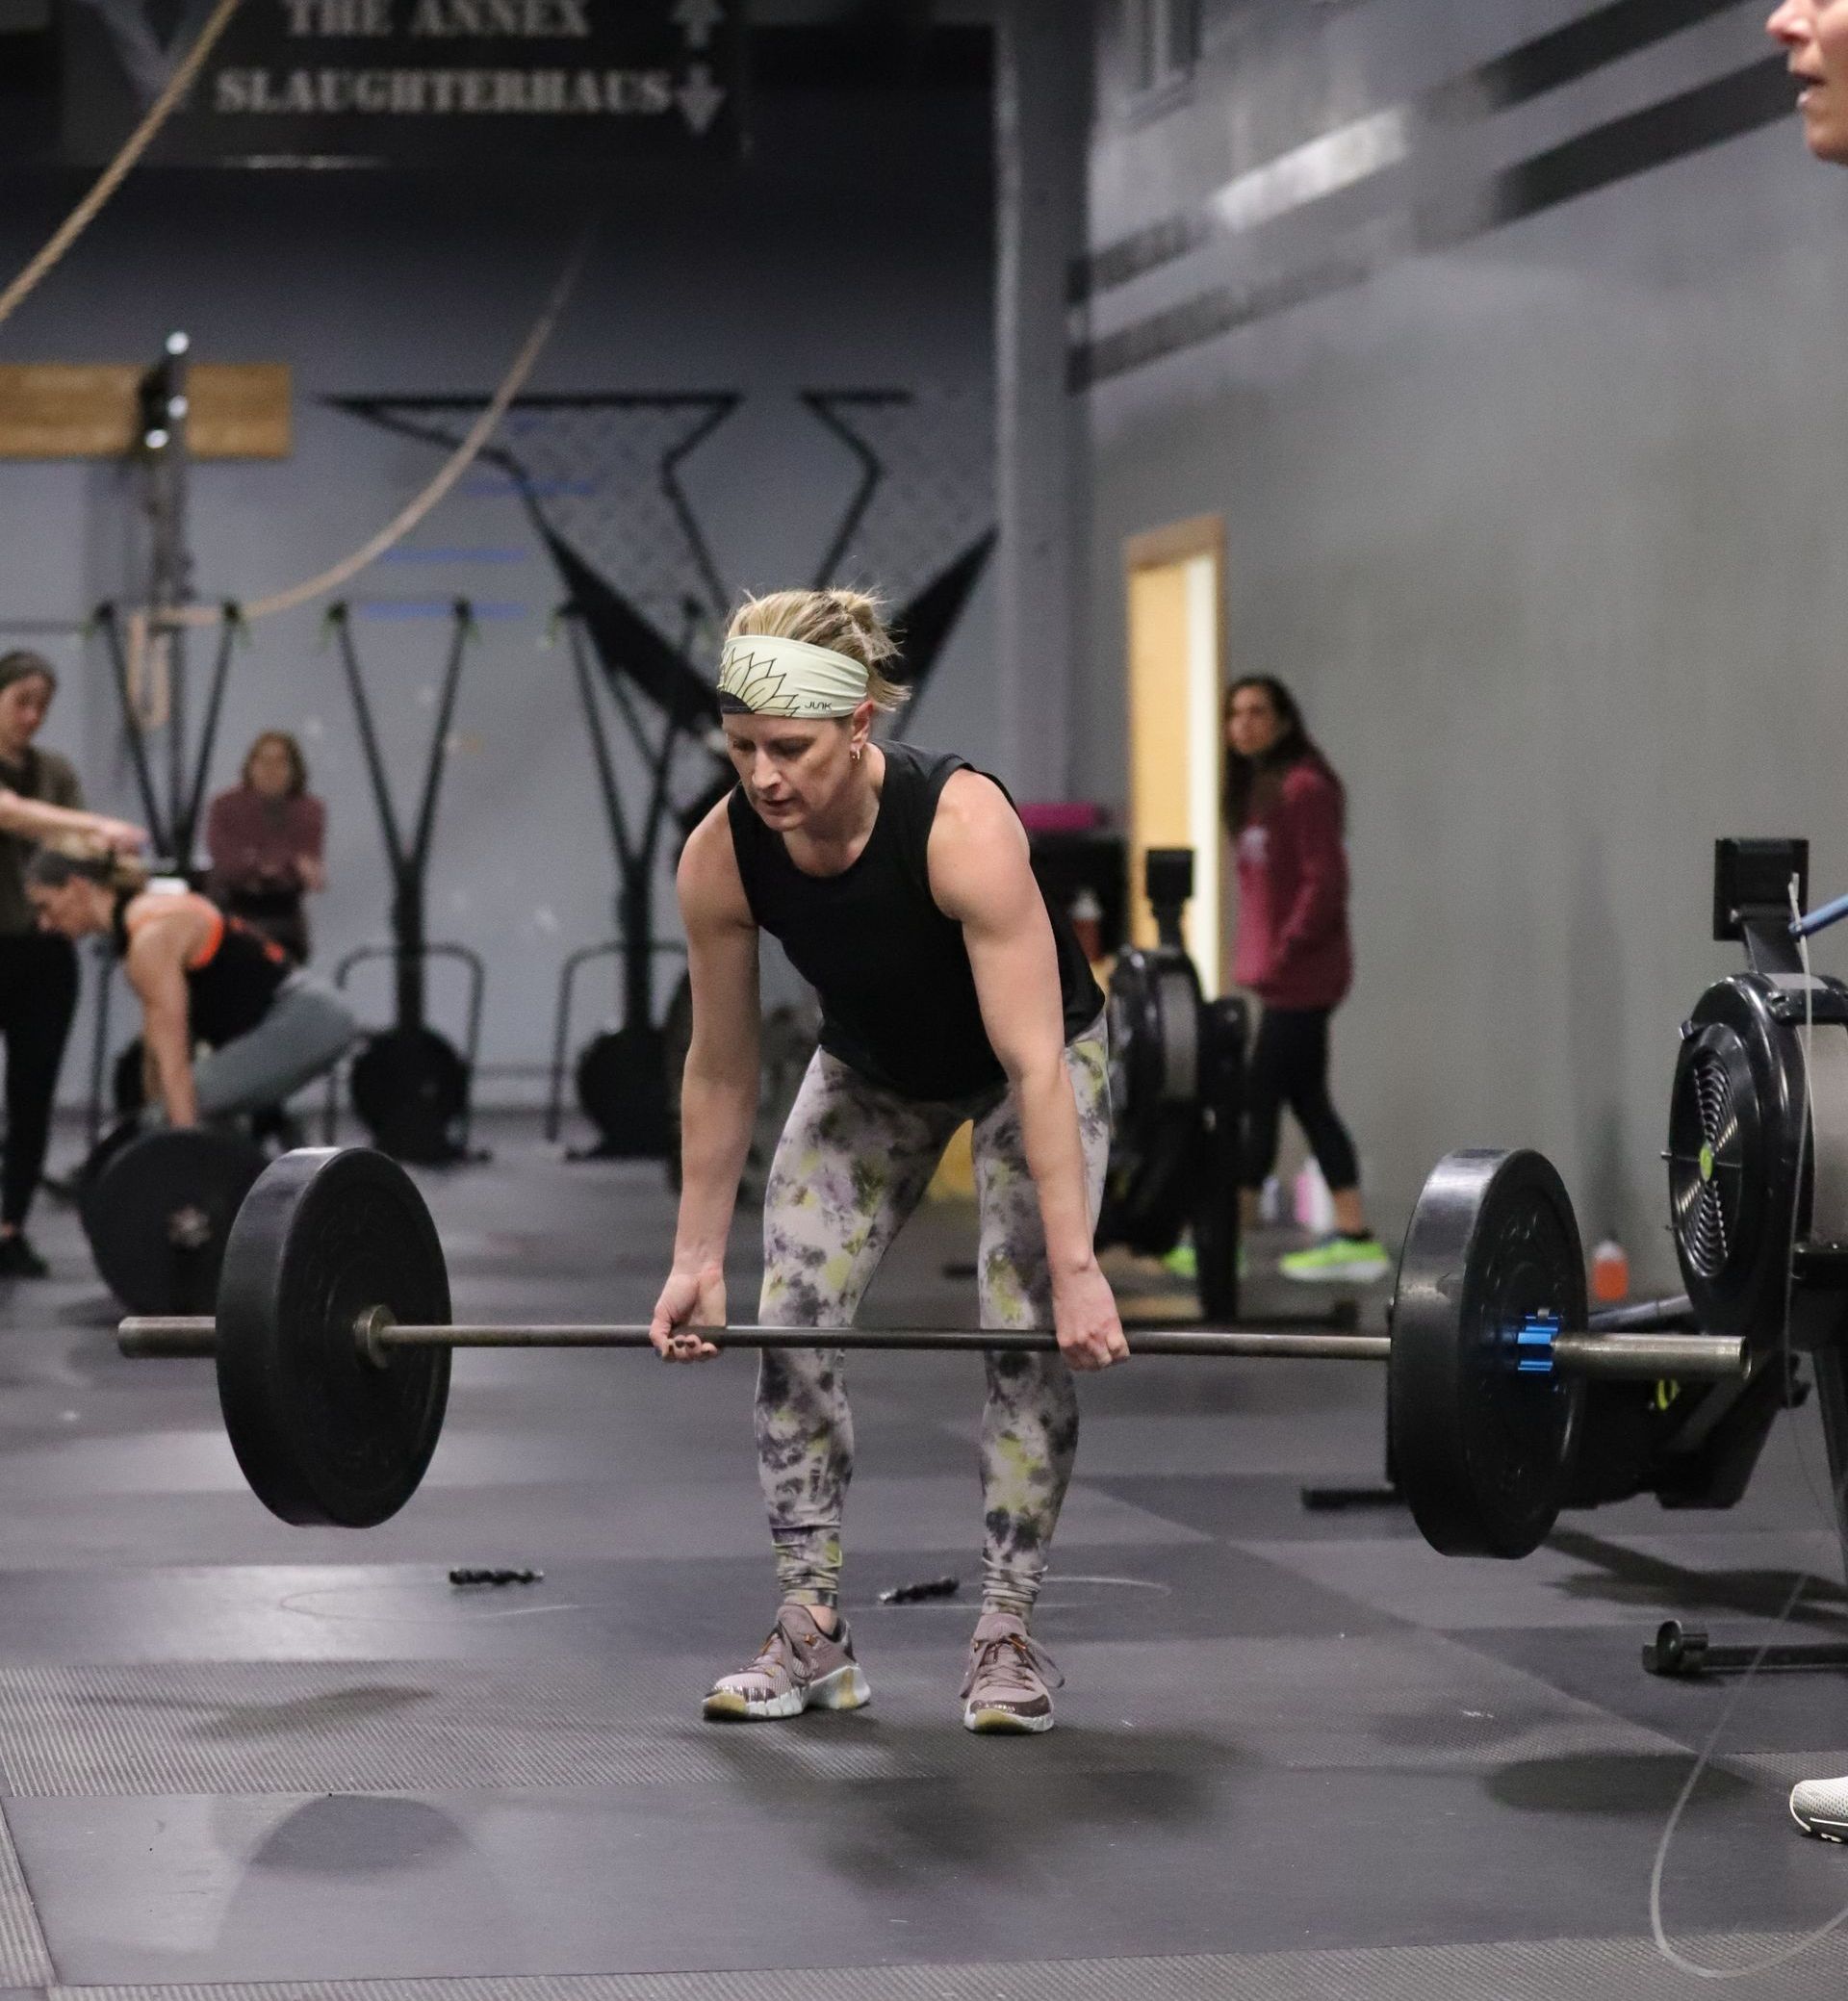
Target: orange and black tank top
230 980
898 1000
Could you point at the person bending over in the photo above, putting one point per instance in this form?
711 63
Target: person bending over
40 800
1814 33
899 884
266 835
1285 813
201 977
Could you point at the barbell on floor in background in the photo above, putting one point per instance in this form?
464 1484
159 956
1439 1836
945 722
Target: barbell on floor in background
333 1340
158 1207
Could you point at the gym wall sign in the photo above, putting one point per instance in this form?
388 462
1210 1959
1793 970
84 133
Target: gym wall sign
431 84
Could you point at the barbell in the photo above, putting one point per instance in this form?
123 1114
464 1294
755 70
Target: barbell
333 1337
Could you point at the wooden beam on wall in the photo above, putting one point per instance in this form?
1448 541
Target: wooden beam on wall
49 410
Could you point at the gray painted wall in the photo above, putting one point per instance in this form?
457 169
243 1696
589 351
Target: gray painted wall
787 273
1543 529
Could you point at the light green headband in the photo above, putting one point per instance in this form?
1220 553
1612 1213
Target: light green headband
788 678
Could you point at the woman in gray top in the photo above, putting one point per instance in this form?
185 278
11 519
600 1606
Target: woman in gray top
40 798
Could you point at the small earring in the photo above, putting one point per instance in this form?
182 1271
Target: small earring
856 755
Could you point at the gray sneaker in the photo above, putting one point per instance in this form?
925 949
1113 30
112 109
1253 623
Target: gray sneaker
1008 1689
1819 1807
799 1667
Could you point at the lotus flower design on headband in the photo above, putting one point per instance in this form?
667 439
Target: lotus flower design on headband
772 677
745 678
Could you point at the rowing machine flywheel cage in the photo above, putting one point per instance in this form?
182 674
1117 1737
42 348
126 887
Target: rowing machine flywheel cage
1156 1055
1741 1181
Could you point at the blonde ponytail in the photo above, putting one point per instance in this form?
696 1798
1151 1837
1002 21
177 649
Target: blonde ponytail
71 858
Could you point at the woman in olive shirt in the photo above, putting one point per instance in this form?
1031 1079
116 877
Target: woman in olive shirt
39 797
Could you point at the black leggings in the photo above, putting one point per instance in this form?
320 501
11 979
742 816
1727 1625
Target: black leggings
1289 1065
37 998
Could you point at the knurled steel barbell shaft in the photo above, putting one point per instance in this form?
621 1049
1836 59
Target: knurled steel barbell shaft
1643 1357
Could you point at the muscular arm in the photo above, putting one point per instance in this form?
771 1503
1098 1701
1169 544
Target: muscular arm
156 967
982 876
36 820
719 1086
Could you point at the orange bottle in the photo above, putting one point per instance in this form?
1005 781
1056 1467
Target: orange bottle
1609 1273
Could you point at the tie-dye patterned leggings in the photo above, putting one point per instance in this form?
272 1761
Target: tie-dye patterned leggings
852 1165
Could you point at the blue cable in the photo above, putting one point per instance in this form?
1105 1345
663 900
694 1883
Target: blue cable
1820 920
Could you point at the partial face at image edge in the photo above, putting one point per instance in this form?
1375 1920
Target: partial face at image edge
1814 33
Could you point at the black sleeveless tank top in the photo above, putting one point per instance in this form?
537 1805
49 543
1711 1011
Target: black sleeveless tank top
230 989
897 995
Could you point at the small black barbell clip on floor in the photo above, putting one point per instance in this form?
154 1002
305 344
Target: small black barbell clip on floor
1684 1653
333 1340
922 1594
496 1577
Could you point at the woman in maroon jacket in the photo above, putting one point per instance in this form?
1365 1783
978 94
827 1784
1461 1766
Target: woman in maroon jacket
266 835
1285 811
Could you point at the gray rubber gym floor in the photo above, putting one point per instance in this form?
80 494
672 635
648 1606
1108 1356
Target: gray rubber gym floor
1298 1756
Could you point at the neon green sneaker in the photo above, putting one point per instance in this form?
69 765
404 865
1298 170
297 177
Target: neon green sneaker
1183 1262
1338 1261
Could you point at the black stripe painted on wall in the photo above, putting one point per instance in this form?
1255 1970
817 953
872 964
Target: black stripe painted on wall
1222 311
1731 105
1565 55
1593 41
1745 100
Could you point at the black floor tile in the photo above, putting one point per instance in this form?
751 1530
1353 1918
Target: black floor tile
239 1888
1261 1507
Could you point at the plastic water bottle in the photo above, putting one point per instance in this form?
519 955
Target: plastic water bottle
1609 1273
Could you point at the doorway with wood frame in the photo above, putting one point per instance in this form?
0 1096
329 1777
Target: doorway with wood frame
1176 666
